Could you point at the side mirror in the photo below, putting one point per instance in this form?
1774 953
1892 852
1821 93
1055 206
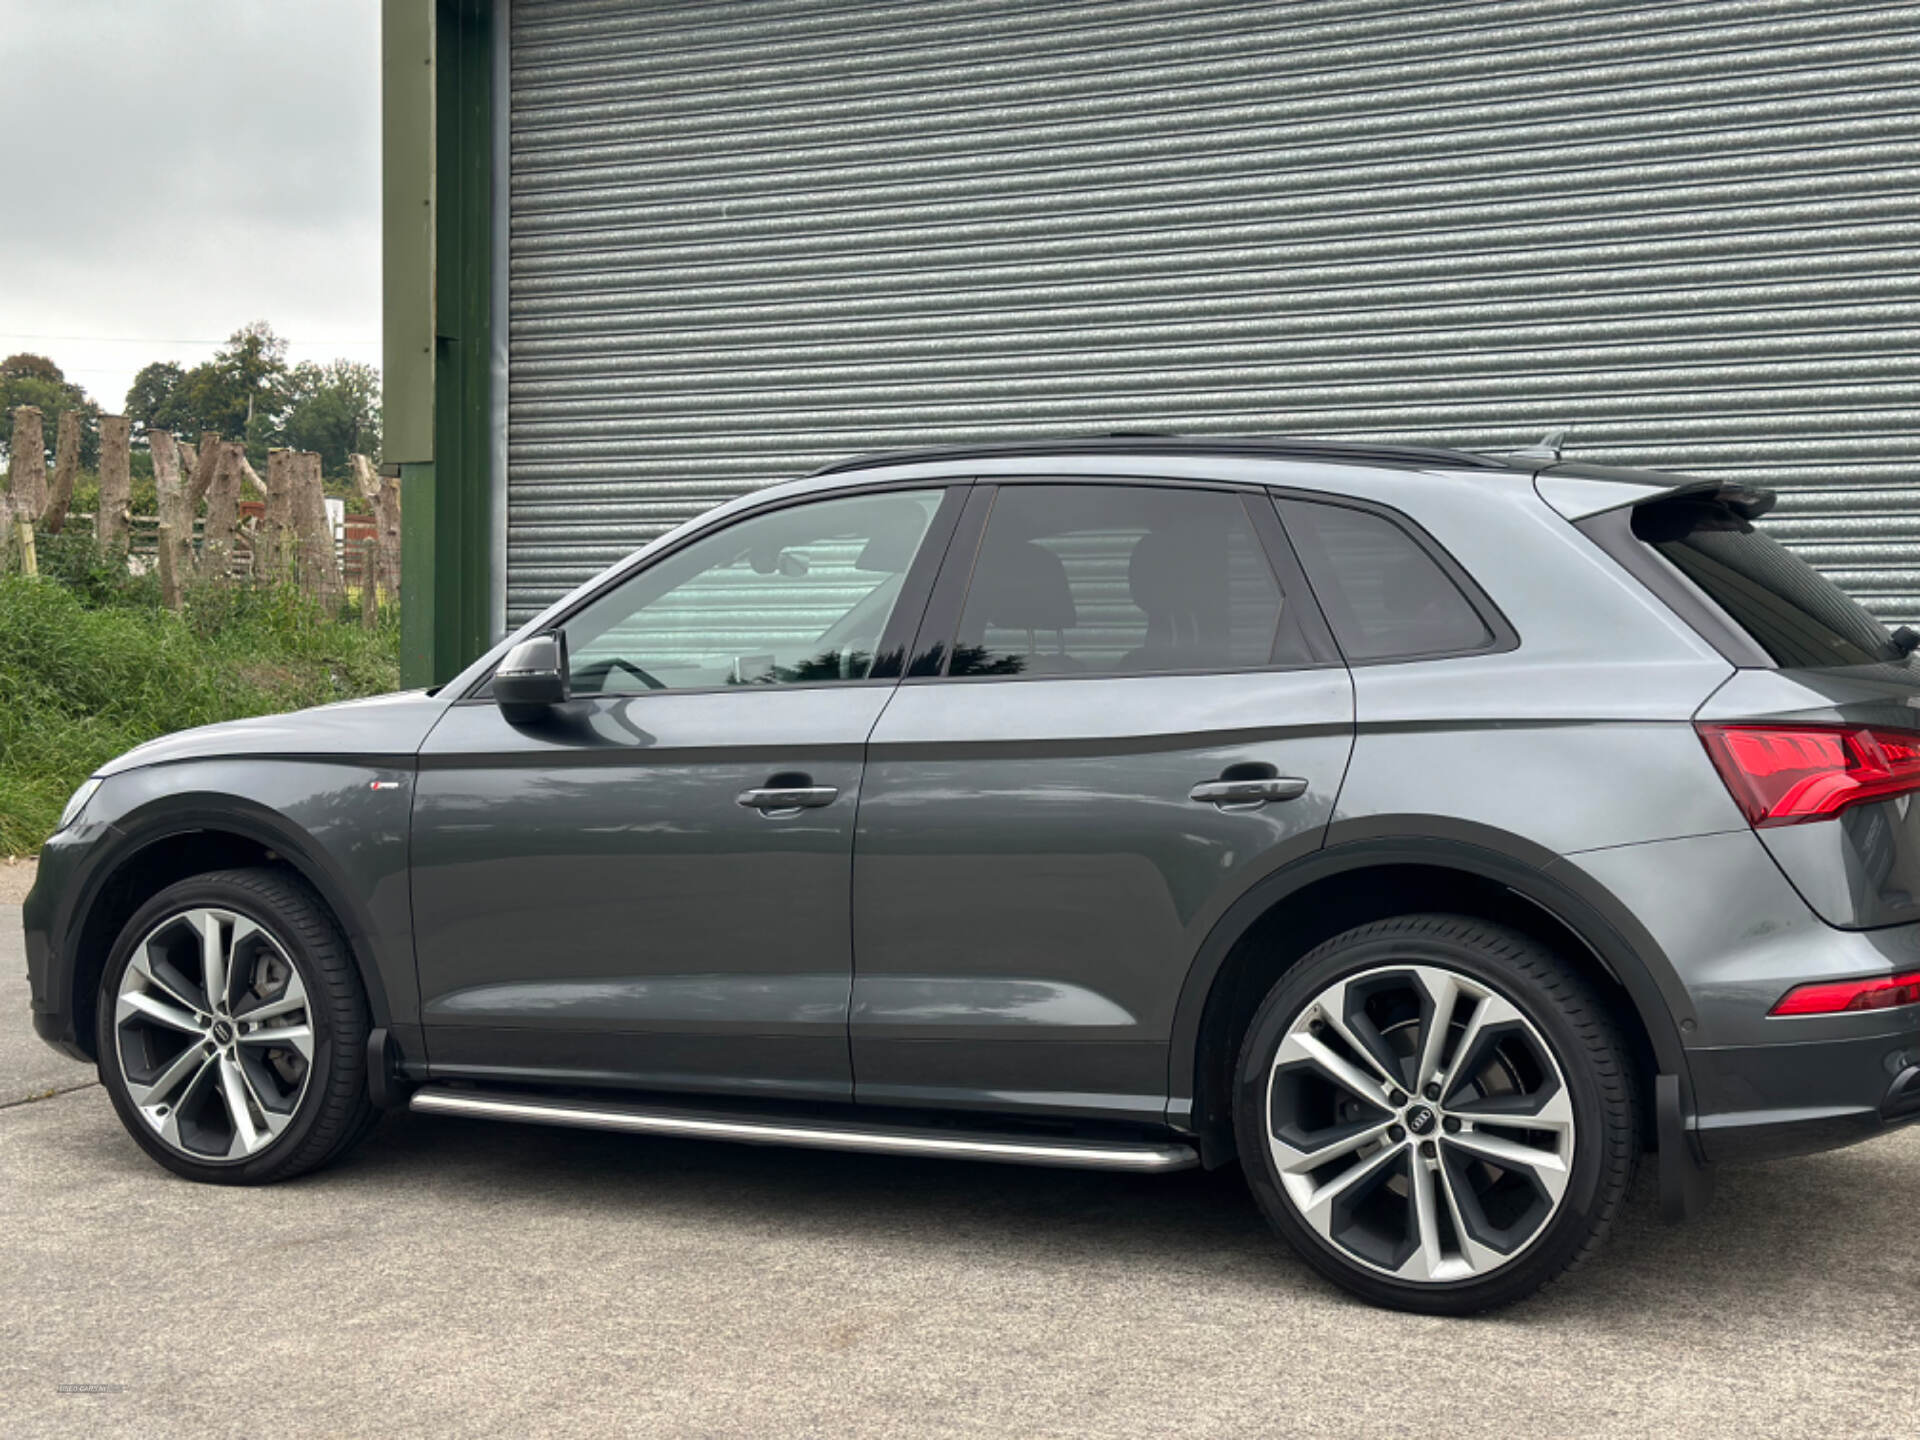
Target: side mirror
533 677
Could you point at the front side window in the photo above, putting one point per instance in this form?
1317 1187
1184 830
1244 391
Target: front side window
1121 580
793 596
1385 596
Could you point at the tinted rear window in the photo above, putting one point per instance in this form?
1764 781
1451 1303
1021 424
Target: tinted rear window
1792 611
1120 580
1385 596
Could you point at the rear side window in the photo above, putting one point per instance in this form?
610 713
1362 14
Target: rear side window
1122 580
1792 611
1386 597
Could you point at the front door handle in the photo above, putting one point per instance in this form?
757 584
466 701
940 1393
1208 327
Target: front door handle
1247 794
772 799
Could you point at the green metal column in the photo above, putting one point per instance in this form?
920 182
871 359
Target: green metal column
437 76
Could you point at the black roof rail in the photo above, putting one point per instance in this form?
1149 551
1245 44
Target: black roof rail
1350 452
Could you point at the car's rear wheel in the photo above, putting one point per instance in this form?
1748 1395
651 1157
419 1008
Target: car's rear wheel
232 1030
1436 1112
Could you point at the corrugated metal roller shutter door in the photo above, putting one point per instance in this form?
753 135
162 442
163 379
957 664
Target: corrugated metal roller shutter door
748 239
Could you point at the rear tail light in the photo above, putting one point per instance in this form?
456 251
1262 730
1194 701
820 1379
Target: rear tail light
1790 774
1840 996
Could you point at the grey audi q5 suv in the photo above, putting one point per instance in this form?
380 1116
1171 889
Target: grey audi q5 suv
1434 834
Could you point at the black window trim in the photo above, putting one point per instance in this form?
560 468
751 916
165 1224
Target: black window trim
933 644
895 646
1292 575
1503 637
940 617
1612 531
946 515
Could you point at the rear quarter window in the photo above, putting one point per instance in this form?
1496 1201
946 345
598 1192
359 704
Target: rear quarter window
1386 595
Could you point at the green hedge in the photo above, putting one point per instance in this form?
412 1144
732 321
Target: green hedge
91 665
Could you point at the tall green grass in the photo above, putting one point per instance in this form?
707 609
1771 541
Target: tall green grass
91 664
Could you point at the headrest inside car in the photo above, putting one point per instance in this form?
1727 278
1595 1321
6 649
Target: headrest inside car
894 535
1023 586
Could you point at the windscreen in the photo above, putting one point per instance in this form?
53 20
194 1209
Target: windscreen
1792 611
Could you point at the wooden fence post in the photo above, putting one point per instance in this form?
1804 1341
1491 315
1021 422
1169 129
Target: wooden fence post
198 465
111 520
383 495
223 463
273 555
27 463
27 481
175 546
199 476
66 467
319 561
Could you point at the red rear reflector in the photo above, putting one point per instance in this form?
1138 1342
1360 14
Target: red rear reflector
1836 998
1789 774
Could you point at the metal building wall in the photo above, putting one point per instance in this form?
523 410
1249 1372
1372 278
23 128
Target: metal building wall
750 238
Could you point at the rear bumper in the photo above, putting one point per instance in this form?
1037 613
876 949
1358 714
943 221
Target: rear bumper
1757 1102
1728 937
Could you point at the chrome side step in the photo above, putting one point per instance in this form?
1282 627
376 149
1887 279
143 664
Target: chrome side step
877 1139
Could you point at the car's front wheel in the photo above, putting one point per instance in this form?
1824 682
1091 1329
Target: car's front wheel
1437 1113
232 1030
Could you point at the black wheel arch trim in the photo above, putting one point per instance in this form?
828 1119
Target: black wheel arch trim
1616 940
173 816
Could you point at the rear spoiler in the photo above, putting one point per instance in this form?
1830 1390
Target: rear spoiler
1749 502
1580 491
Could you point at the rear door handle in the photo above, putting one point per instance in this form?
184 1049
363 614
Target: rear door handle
796 797
1238 794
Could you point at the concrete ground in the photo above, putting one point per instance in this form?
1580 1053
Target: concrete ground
463 1278
29 1069
16 878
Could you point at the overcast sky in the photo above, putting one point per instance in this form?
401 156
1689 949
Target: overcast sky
192 165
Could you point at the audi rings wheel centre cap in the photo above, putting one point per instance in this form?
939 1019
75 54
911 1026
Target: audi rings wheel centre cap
1420 1120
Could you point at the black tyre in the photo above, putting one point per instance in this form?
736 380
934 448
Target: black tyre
1436 1113
233 1030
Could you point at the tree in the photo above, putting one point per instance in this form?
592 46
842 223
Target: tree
247 391
246 377
35 380
334 411
25 366
157 400
244 390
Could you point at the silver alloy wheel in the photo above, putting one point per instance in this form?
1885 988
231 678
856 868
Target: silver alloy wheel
1420 1123
214 1035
